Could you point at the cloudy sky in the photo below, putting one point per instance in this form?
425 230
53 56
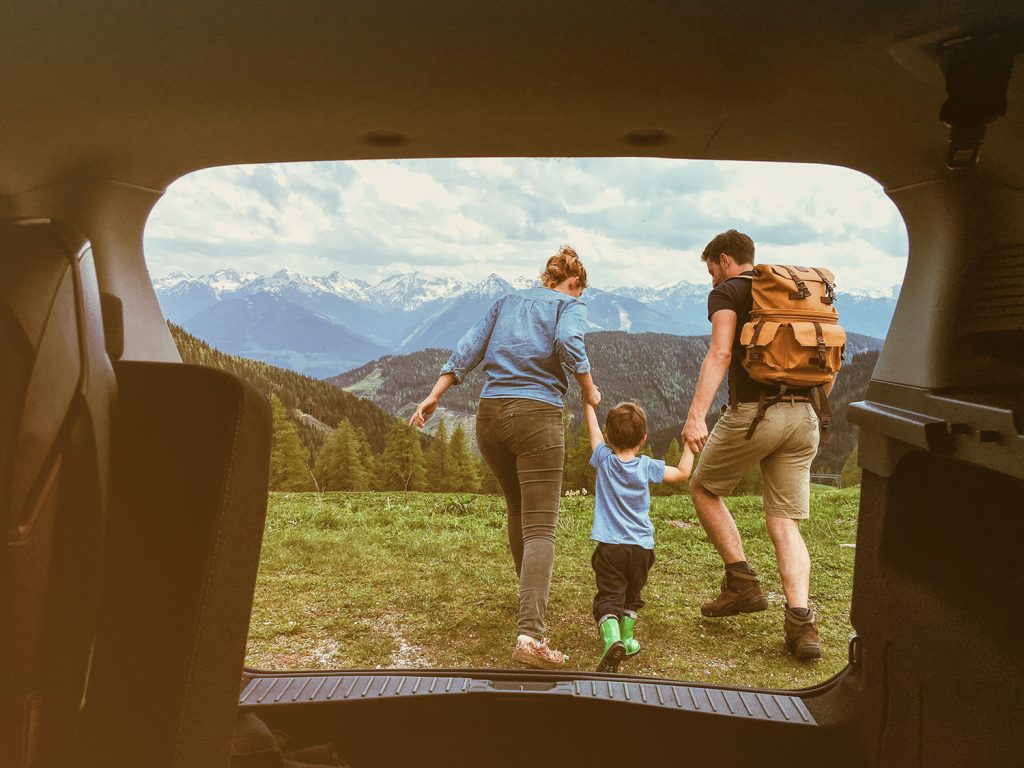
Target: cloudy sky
634 221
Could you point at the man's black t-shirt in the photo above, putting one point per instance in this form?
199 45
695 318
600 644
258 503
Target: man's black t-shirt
735 294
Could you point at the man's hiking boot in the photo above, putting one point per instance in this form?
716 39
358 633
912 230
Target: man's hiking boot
626 627
741 593
614 651
802 635
538 654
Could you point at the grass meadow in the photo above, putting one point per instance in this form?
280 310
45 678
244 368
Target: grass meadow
420 580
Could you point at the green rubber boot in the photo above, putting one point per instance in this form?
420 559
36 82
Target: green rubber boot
614 651
626 633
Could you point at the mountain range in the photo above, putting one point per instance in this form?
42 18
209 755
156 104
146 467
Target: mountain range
323 326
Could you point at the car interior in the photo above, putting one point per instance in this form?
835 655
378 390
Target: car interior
133 488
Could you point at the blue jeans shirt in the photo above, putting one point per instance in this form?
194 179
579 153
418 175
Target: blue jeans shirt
529 341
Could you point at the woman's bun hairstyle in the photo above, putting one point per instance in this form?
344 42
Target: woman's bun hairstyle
564 264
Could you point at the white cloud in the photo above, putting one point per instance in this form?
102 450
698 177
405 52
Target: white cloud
635 221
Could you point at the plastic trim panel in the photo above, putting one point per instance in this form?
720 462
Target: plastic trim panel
725 702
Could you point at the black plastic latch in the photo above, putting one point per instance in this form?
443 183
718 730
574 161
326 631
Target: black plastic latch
977 71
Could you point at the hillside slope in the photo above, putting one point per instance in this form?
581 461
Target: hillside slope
312 403
657 370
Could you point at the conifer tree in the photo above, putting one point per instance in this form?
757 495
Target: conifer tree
465 477
851 470
488 482
341 463
403 459
438 462
288 470
578 474
374 470
672 455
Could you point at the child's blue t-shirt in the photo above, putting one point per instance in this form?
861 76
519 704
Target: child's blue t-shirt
622 497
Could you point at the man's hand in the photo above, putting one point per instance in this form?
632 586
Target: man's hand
423 411
695 434
591 396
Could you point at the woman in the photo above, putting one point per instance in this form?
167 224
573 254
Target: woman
528 341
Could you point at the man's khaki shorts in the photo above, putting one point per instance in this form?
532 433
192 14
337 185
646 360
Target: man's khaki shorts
785 443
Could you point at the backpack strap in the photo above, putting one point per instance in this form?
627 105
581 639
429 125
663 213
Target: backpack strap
733 399
819 402
830 288
757 333
802 291
762 407
819 334
764 402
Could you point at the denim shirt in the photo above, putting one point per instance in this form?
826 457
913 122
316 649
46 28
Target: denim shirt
529 341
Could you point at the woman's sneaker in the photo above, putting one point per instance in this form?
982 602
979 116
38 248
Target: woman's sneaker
536 653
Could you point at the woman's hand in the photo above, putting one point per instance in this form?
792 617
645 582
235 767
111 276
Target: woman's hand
695 434
427 407
424 410
591 396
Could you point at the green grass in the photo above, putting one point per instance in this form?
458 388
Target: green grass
380 580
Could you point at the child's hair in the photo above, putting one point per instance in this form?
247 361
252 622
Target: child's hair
562 265
626 425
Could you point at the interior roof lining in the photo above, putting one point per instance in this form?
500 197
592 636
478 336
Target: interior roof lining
190 85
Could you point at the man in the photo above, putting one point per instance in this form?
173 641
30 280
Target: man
784 442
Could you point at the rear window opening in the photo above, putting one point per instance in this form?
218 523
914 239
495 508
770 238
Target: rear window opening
339 289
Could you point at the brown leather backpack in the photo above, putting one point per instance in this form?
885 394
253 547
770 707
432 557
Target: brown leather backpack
793 340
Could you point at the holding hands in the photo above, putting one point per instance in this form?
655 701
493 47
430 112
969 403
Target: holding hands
695 434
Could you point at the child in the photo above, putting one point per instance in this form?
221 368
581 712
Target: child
622 525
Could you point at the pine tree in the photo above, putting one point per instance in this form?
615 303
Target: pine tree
288 470
465 477
438 462
341 463
403 459
672 455
488 482
851 470
578 474
375 471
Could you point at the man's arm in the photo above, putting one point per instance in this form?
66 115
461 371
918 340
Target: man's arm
712 372
593 427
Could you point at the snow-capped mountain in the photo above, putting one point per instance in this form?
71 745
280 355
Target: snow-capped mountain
445 326
411 291
357 321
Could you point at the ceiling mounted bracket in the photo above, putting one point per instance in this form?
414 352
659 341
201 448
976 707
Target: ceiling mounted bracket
977 71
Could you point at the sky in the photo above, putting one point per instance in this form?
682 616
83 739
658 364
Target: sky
634 221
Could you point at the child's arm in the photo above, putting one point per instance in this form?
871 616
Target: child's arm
593 427
680 472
